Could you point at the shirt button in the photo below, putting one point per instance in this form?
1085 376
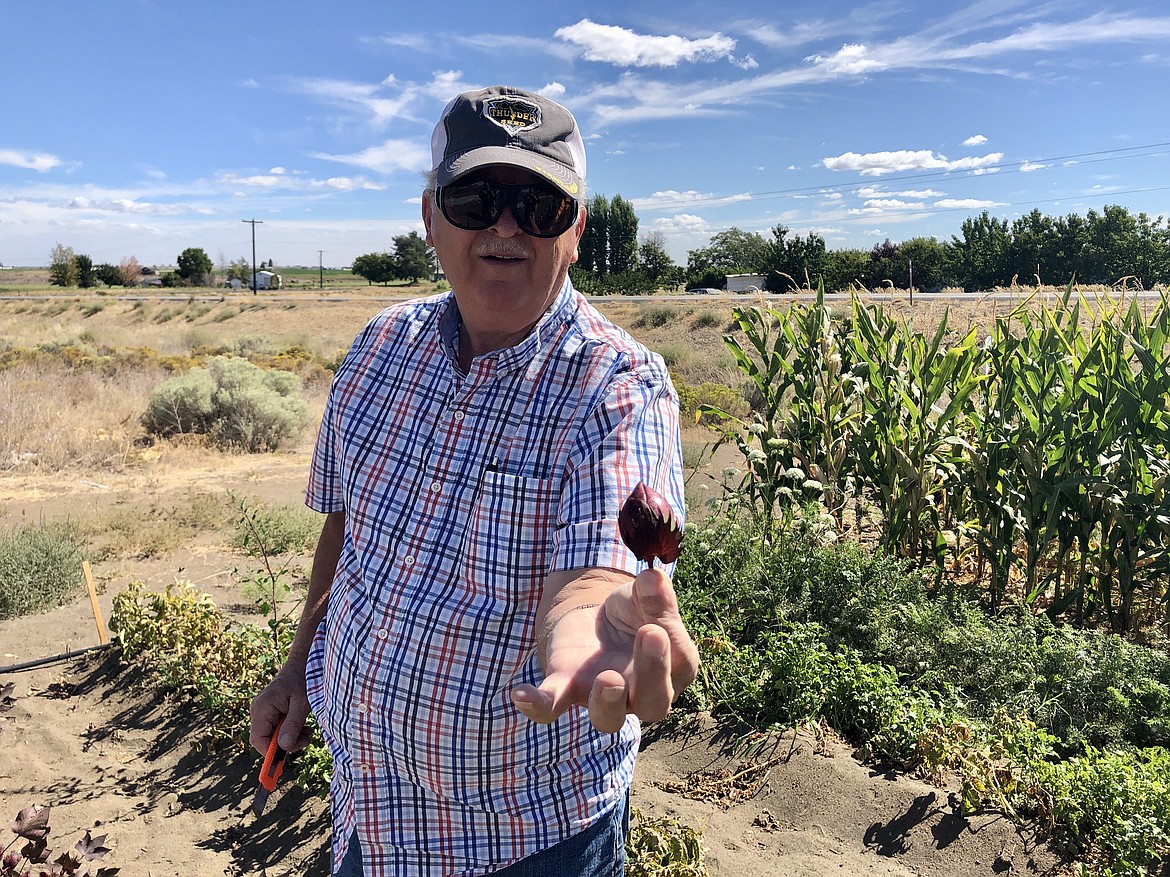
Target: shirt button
436 487
364 768
458 415
363 708
408 560
382 633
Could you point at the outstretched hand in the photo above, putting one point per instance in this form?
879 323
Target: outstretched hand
631 654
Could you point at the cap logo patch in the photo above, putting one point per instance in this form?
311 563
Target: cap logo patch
512 114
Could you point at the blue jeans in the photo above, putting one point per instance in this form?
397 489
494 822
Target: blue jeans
598 851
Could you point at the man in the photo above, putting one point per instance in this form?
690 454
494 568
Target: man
474 642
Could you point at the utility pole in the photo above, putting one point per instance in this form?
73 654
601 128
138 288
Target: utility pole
254 223
321 267
911 261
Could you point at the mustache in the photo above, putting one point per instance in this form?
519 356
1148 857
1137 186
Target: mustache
503 248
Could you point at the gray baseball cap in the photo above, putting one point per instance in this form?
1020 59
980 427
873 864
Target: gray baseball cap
503 125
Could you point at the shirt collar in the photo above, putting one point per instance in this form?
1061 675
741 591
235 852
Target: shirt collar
562 309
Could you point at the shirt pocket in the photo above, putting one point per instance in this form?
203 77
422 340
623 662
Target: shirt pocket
510 541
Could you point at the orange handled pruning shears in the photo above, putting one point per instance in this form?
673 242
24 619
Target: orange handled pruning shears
270 771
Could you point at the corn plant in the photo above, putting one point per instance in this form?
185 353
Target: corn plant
910 444
796 443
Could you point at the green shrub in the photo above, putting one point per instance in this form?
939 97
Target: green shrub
235 403
690 398
1112 808
40 567
706 320
278 529
656 316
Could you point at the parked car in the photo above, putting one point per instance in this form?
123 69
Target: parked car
703 290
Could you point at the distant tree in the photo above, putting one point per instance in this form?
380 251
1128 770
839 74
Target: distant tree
412 259
983 253
1035 250
62 267
130 271
846 269
623 236
795 260
733 251
883 263
375 267
194 267
593 249
653 258
240 270
86 275
927 258
108 274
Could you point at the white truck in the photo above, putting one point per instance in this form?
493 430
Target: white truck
745 282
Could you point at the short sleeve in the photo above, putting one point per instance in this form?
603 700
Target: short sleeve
631 436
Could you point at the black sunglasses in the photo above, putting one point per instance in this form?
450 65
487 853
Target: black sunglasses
540 210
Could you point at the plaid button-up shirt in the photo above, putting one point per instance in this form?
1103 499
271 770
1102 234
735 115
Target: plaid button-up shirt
461 492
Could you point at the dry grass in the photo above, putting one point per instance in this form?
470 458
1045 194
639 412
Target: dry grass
53 417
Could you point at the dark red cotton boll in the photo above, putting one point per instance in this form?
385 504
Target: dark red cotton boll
649 526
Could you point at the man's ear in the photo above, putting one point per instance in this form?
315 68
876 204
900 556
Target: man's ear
578 230
428 206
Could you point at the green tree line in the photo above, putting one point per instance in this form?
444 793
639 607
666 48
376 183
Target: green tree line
1108 247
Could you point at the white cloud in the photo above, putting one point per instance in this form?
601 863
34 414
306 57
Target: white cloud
347 184
625 48
850 60
873 164
391 155
553 90
975 140
880 192
1028 166
33 161
672 199
683 232
263 181
893 204
966 203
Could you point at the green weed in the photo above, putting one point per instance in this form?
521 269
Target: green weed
40 567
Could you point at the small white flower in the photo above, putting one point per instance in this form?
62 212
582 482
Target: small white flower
812 484
795 473
730 472
756 456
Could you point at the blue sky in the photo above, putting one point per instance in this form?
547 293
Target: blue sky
142 127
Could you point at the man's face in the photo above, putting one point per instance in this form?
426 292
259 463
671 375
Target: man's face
502 278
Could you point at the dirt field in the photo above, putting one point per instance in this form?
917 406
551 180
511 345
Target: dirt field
114 756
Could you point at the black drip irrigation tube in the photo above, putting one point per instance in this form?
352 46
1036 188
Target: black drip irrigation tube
52 659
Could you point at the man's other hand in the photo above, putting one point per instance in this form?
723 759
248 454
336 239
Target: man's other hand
285 698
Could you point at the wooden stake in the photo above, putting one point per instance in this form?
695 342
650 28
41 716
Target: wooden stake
97 612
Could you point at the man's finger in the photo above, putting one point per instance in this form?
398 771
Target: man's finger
659 605
607 702
651 691
544 704
656 596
